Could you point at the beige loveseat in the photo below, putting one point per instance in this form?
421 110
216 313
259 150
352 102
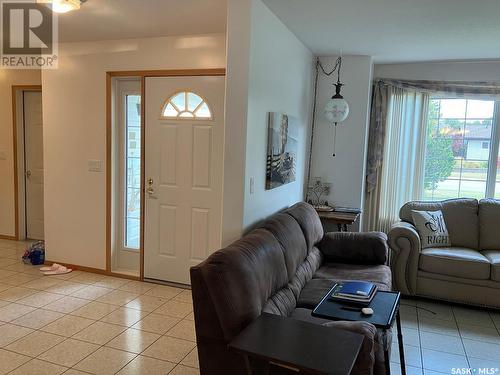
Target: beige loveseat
468 271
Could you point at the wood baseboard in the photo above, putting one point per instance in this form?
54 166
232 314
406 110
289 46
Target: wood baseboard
94 270
4 237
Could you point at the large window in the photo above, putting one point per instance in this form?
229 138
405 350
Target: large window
132 215
461 155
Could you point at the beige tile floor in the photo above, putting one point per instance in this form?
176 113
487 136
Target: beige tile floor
455 337
85 323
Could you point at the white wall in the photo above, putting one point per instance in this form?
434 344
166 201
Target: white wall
8 78
475 71
280 80
237 69
345 171
75 131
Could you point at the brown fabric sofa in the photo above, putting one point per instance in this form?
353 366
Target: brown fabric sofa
468 271
284 267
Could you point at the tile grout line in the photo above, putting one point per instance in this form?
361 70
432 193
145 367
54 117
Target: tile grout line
497 326
128 327
65 338
95 351
461 338
437 350
420 340
67 368
180 319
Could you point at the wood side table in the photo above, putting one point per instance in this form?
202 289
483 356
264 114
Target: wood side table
297 345
342 219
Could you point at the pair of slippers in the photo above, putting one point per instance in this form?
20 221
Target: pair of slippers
55 269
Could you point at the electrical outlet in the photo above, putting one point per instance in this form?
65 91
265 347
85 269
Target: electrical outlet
95 165
3 155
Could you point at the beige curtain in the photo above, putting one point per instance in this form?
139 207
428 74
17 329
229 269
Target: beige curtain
397 175
376 139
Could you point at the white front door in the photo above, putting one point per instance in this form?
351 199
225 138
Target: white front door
33 148
184 126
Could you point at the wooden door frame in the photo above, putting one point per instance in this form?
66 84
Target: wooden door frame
142 75
14 90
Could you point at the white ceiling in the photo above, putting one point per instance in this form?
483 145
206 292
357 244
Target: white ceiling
122 19
395 30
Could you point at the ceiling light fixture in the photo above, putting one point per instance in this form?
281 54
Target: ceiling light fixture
337 109
62 6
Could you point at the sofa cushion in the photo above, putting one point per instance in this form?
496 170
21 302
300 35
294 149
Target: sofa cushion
406 211
305 271
489 222
283 302
355 247
380 274
460 215
494 257
293 243
242 277
455 261
309 222
331 273
313 292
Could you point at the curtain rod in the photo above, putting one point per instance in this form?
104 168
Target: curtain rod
455 87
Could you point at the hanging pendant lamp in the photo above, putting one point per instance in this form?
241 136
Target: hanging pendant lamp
336 109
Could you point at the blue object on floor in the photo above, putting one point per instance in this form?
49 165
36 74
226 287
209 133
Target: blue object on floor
35 254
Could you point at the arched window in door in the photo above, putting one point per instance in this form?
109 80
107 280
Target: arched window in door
186 104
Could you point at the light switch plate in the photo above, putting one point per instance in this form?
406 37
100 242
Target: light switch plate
95 165
3 155
252 185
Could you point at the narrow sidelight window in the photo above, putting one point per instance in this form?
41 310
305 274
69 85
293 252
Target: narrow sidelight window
132 196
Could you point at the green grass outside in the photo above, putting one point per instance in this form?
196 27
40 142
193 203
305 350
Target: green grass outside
447 194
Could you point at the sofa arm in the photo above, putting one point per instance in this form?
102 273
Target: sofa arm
404 242
353 247
366 358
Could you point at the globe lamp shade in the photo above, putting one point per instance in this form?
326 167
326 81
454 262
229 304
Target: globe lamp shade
336 110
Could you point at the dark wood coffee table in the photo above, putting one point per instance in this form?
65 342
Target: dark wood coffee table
386 310
301 346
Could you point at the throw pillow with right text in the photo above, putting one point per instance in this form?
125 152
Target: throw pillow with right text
432 228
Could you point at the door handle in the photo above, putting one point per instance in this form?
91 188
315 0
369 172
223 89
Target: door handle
150 189
28 173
